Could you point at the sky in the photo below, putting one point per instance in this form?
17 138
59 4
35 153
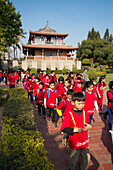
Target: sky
74 16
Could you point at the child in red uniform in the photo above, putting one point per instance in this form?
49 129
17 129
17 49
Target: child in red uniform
30 89
39 98
76 124
71 77
65 104
101 85
90 99
53 76
17 78
24 81
12 80
46 81
78 84
40 75
67 86
110 105
0 76
50 102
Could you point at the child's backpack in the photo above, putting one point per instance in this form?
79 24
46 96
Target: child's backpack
64 105
48 93
38 91
111 107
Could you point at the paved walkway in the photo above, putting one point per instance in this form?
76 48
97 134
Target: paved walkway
101 147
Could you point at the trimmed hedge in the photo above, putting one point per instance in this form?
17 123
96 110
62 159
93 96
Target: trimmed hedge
22 146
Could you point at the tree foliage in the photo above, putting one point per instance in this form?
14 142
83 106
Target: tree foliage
99 49
10 25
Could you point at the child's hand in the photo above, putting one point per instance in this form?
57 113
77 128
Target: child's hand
97 112
45 107
76 129
86 127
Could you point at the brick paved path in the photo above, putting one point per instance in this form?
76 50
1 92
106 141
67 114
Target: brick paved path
101 147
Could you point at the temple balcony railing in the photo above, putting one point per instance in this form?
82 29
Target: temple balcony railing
49 58
48 43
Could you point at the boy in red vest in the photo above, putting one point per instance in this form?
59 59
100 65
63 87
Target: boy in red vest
53 76
39 98
67 86
50 102
30 89
76 124
78 84
12 80
65 104
46 81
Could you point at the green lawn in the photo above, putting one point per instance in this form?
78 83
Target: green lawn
109 77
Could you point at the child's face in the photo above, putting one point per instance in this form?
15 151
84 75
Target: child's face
53 73
89 89
67 84
52 86
69 97
47 77
103 80
79 104
29 79
41 86
61 82
94 82
72 75
36 80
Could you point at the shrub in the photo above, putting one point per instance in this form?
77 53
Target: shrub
86 61
104 68
58 71
29 69
33 70
21 146
75 70
97 68
65 70
21 149
99 73
80 71
92 73
96 64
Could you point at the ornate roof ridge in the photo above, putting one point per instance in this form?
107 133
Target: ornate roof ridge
46 29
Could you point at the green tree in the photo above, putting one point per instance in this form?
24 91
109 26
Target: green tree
10 25
106 34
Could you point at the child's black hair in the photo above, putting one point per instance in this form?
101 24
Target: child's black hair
70 91
78 78
41 83
110 84
51 82
88 84
29 77
60 79
78 96
92 79
47 75
78 74
68 80
38 78
100 79
52 71
33 74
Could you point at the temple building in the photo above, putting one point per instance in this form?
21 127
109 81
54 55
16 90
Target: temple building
46 49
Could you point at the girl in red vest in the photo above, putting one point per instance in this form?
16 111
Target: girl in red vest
46 81
30 89
12 80
90 99
101 85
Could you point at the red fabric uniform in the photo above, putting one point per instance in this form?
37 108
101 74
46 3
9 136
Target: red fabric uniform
46 83
89 102
54 78
51 99
0 74
77 141
29 87
35 87
11 80
40 76
78 85
110 96
17 76
68 105
27 73
60 88
101 91
40 96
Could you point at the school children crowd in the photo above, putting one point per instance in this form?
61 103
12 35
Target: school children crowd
72 99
